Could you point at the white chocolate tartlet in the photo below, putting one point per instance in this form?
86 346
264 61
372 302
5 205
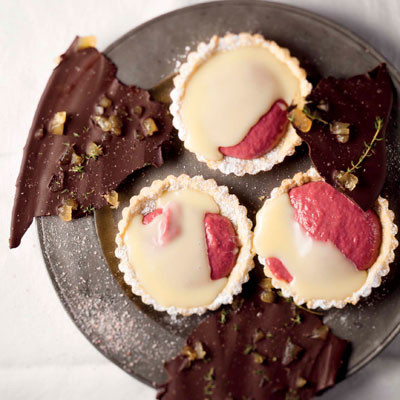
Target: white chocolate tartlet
335 281
223 90
176 278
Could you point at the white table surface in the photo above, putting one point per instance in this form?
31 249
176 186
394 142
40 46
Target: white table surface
42 353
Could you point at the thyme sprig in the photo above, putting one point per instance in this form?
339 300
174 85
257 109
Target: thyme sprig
209 377
310 311
314 116
368 150
224 314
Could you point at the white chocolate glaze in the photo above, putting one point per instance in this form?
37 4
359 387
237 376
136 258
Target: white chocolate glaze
319 269
229 93
228 204
176 273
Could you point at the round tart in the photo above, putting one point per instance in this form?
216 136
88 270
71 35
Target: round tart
321 248
230 103
185 245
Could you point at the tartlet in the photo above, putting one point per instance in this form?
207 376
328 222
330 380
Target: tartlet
373 275
146 203
290 81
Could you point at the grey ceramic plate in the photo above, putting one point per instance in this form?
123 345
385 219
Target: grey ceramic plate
81 263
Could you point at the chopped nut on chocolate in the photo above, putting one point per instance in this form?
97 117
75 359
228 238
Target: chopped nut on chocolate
300 120
116 124
266 284
196 353
138 110
291 352
300 382
86 41
346 180
200 352
258 358
71 202
112 199
321 332
258 335
105 102
93 150
103 123
99 110
65 212
76 159
113 123
267 297
341 130
149 126
56 125
190 353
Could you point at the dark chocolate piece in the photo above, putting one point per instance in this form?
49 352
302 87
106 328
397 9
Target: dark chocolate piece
358 101
49 172
263 351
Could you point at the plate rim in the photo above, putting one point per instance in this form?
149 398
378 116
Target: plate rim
395 74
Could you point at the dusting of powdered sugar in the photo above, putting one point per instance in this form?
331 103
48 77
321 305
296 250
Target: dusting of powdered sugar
138 340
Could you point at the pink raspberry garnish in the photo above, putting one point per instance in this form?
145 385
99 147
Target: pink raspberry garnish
169 226
263 136
222 245
278 269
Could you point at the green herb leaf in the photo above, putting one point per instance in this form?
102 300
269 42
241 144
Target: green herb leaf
368 146
297 319
209 388
314 116
210 375
77 168
309 311
224 313
88 209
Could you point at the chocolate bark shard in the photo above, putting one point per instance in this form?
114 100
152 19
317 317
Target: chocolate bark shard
238 367
100 110
357 101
